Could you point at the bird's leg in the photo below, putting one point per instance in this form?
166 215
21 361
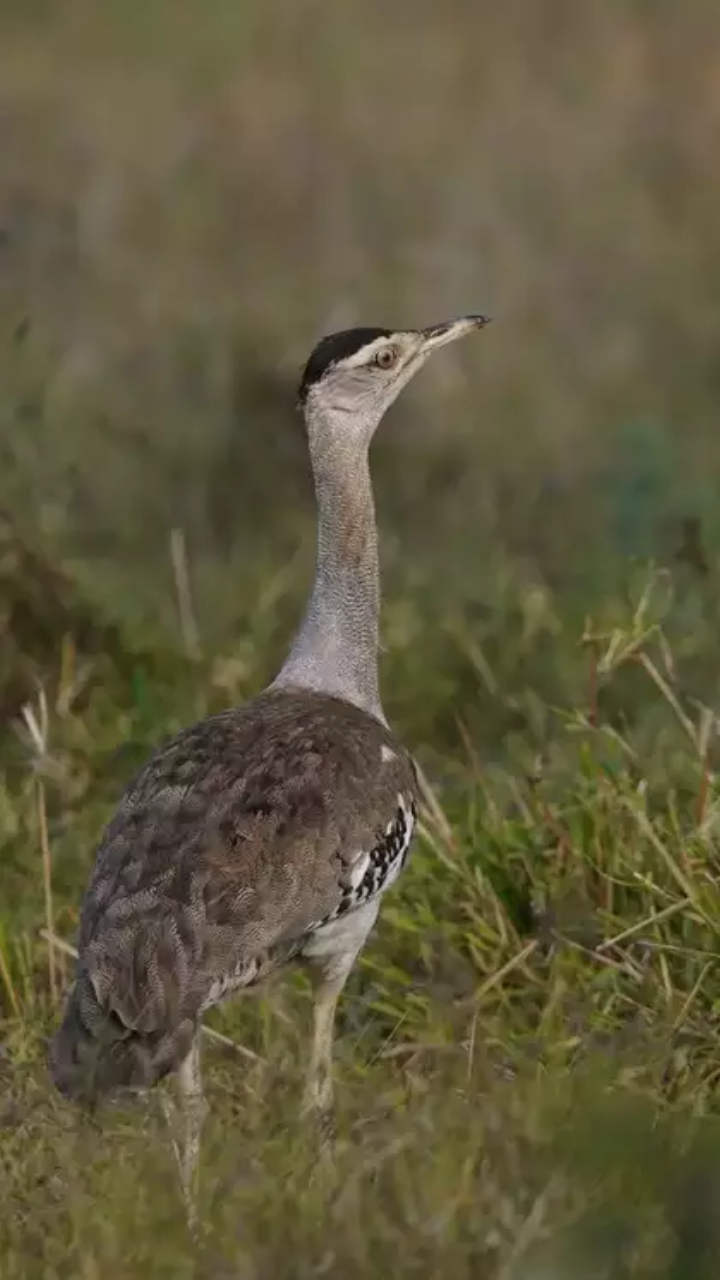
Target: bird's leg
330 954
193 1110
318 1094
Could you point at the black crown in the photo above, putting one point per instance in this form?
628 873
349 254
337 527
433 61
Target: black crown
333 348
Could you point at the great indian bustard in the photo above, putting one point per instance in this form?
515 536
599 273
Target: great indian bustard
267 833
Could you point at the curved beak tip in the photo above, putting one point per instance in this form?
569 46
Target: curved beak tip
437 335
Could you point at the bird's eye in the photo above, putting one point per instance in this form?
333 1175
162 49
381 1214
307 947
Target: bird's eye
386 358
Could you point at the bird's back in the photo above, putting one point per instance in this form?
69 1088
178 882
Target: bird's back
237 841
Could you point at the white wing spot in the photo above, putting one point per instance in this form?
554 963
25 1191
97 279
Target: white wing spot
387 754
358 869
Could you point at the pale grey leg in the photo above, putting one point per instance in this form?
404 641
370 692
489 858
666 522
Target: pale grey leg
318 1092
193 1110
194 1107
331 954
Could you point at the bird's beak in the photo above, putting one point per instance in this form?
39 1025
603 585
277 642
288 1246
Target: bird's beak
438 335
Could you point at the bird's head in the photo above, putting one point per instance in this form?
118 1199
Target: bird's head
353 377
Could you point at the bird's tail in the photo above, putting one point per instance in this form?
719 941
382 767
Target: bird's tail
102 1047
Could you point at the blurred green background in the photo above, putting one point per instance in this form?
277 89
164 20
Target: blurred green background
190 195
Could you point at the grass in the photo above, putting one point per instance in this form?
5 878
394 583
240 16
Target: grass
527 1060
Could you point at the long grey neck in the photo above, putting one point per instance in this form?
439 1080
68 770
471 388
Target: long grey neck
336 648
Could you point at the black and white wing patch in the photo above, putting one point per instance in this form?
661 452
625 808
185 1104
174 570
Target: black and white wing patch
373 871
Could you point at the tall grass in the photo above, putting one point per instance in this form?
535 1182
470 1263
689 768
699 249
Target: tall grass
527 1056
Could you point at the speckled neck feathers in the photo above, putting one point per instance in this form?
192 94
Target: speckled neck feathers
336 648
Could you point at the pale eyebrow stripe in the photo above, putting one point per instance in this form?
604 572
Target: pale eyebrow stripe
365 354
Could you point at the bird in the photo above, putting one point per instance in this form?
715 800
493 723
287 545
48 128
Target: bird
266 833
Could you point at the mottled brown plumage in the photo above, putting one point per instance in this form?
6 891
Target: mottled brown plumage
233 845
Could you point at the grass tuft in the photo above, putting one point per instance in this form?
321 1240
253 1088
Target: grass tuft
527 1056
